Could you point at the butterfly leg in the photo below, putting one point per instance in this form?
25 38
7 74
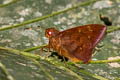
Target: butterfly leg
42 49
47 52
65 61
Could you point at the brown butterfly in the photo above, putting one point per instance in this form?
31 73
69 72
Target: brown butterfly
77 43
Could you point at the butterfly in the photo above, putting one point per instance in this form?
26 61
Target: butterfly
78 43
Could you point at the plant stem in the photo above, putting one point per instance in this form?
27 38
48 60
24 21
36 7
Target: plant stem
7 4
3 68
39 57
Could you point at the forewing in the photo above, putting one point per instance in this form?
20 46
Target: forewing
80 41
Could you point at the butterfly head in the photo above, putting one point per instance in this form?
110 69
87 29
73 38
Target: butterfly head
51 32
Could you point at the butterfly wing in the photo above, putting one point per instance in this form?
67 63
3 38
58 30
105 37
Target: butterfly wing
79 42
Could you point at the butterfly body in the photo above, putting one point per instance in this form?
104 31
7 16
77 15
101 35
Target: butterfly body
77 43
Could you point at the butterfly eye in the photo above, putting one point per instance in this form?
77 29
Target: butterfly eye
49 32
